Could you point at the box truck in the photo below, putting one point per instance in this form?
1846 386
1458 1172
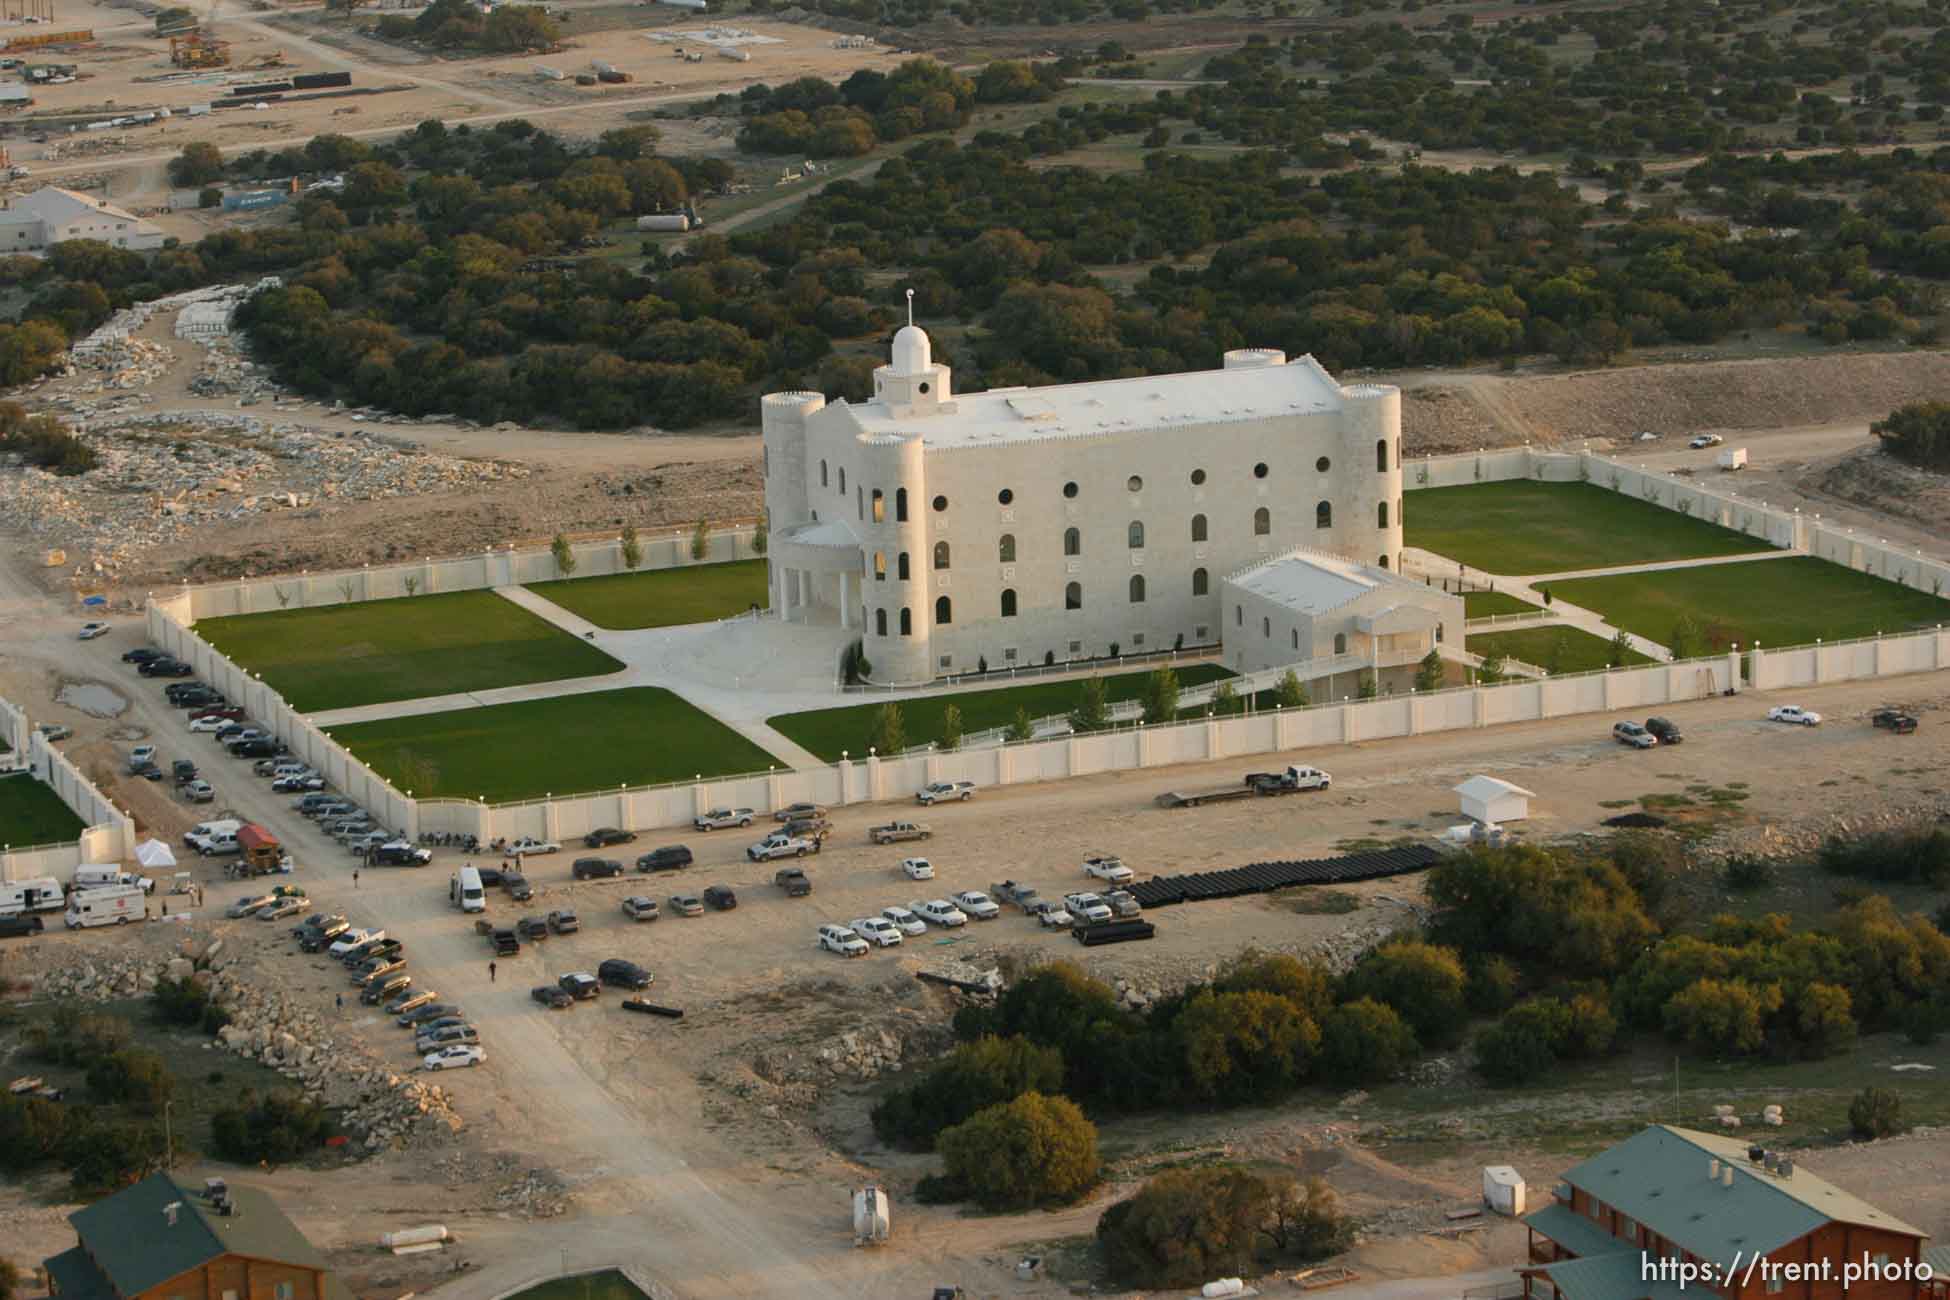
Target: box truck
115 905
97 875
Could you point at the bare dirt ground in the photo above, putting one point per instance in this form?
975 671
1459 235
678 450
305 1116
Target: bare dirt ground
716 1153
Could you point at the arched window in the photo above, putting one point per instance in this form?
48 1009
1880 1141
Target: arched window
1324 515
1005 550
941 555
944 611
860 501
880 622
1137 588
1073 596
1072 542
1198 528
1382 563
1239 616
1266 627
1262 522
842 480
1008 602
1381 515
822 475
1200 582
901 566
900 505
1136 531
1340 643
880 566
1438 634
907 622
1296 638
879 507
1381 454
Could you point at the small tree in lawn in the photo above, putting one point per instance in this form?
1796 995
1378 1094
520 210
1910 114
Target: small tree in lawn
1688 638
632 548
701 541
563 554
1876 1113
1020 727
1496 666
1224 699
1289 692
1092 712
1428 673
1035 1150
1619 652
761 536
951 727
411 582
345 590
1560 651
889 730
1161 696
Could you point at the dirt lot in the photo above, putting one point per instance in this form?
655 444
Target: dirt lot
725 1135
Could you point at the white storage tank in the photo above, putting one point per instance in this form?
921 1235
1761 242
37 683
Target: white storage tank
431 1234
1503 1190
871 1221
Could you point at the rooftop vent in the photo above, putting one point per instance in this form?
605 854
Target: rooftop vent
1757 1154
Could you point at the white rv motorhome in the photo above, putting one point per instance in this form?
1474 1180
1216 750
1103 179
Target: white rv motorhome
42 894
114 905
96 875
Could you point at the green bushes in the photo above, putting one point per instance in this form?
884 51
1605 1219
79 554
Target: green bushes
1876 1113
1919 434
1424 983
1530 1039
277 1129
1187 1226
43 440
973 1077
1910 856
185 1002
1034 1150
1364 1042
1572 917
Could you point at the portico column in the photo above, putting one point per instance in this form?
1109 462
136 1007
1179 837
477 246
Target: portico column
846 599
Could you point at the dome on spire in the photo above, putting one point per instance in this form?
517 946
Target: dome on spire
913 354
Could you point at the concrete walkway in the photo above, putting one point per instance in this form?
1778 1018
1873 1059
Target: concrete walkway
1568 615
1657 566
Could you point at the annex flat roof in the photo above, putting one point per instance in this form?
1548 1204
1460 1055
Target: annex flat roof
1188 400
1311 583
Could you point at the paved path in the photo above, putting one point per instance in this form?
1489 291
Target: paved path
1568 615
1656 566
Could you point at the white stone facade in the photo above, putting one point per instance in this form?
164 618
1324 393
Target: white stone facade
1306 606
1023 526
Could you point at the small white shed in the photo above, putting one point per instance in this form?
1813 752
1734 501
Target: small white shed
1489 800
1503 1190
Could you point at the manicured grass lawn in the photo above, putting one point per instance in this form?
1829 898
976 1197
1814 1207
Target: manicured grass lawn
661 597
607 1285
31 813
1775 602
339 656
572 744
826 732
1485 604
1538 645
1521 527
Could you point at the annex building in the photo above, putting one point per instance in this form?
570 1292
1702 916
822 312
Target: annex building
1621 1221
29 223
1026 526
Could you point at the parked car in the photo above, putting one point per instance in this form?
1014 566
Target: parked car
917 868
89 631
942 791
517 886
282 908
796 811
639 908
398 853
1665 730
411 1000
141 655
780 845
668 858
260 747
528 844
218 714
490 876
1631 733
580 985
1705 440
552 996
563 921
596 869
452 1035
794 881
165 668
351 939
55 730
384 988
876 930
148 772
810 828
1050 914
1123 904
718 819
606 836
249 906
1795 714
939 911
427 1013
460 1056
839 939
199 791
686 905
623 974
1108 869
320 925
904 921
532 928
720 898
183 770
1893 720
977 905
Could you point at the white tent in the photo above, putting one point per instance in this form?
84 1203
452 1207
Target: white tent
1489 800
154 854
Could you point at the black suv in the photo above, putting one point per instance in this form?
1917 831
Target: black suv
596 868
142 655
608 835
668 858
1663 730
401 855
532 928
517 886
1894 720
720 897
184 770
261 748
579 986
626 973
20 923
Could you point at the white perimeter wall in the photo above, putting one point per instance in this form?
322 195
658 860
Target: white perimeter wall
110 834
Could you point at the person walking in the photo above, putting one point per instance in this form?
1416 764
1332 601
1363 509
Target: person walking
355 878
490 972
340 1000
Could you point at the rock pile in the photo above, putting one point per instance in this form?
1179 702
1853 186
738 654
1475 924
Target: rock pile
862 1054
1800 840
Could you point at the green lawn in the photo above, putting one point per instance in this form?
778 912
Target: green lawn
1486 604
1775 602
339 656
31 813
606 1285
826 732
661 597
1538 645
1521 527
572 744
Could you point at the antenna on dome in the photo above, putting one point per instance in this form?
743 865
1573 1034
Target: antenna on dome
910 306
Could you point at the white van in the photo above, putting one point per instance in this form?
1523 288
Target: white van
203 830
115 905
41 894
96 875
464 891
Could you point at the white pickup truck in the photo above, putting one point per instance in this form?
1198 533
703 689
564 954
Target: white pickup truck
1107 868
942 791
780 845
